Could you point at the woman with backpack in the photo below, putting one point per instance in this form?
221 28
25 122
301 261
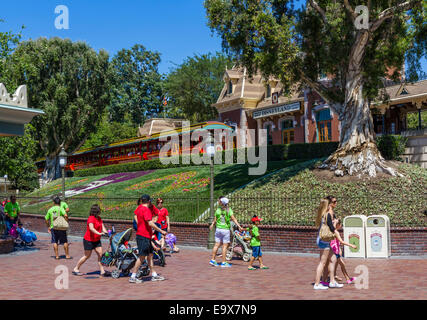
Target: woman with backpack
57 223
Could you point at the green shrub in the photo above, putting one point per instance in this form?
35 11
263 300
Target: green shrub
391 146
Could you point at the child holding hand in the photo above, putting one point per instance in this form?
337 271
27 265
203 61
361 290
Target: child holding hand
335 246
255 244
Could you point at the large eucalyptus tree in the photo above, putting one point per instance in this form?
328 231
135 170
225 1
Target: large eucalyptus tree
355 42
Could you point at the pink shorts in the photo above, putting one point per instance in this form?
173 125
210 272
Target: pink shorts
335 246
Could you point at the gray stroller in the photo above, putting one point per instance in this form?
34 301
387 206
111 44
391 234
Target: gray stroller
240 240
122 257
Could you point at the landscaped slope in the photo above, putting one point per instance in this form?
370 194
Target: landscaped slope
292 195
186 190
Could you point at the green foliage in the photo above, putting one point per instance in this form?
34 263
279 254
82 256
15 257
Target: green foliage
108 132
16 160
195 85
413 121
8 42
392 146
136 86
69 81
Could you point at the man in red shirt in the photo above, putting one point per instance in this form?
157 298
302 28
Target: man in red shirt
143 216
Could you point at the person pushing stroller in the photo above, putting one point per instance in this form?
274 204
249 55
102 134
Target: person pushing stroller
145 226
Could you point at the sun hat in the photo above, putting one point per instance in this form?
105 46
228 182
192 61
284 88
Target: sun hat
224 200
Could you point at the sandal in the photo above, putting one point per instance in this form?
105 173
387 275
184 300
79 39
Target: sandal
251 268
69 258
265 268
77 273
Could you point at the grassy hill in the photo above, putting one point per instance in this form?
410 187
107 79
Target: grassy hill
288 193
186 190
292 195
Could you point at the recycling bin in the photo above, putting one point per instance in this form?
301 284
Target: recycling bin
378 237
354 232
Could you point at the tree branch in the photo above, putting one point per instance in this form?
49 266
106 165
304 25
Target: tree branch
315 6
350 10
389 12
323 91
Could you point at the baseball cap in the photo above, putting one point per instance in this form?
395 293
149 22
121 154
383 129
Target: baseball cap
224 201
145 198
256 218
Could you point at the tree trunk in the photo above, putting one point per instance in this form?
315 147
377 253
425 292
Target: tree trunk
357 153
52 170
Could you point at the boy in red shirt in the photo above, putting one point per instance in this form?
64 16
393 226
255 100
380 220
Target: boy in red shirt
145 225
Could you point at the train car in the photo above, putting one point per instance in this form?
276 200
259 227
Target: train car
139 148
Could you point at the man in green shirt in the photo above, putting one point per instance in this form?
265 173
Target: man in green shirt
223 216
255 244
11 211
58 236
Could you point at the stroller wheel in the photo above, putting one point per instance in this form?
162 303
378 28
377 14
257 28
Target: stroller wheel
246 257
115 274
229 256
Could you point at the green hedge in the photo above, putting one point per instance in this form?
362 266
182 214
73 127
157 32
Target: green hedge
274 153
392 146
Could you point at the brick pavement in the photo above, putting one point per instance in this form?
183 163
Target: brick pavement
31 275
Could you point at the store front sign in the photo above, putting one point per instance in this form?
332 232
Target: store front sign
277 110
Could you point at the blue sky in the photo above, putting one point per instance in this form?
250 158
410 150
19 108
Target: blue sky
175 28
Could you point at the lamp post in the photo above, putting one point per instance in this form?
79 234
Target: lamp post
5 185
210 150
62 163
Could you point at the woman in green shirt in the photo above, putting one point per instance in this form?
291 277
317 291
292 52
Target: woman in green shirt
222 218
11 211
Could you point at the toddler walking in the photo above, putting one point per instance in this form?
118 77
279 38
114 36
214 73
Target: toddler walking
255 244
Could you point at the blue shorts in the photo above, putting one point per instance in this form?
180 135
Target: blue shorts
322 244
256 252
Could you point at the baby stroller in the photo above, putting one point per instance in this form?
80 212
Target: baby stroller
240 240
122 256
22 236
26 237
158 255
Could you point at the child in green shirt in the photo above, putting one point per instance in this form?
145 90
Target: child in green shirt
255 244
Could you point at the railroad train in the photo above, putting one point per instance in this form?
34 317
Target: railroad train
142 148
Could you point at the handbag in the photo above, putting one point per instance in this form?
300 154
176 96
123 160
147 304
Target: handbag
59 223
325 233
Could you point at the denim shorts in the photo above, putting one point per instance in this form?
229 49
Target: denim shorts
322 244
256 252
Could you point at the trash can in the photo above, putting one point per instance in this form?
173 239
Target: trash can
378 237
354 233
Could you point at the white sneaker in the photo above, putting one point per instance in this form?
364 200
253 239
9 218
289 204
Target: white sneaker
157 278
320 287
335 285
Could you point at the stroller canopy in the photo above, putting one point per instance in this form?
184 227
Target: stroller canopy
119 239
